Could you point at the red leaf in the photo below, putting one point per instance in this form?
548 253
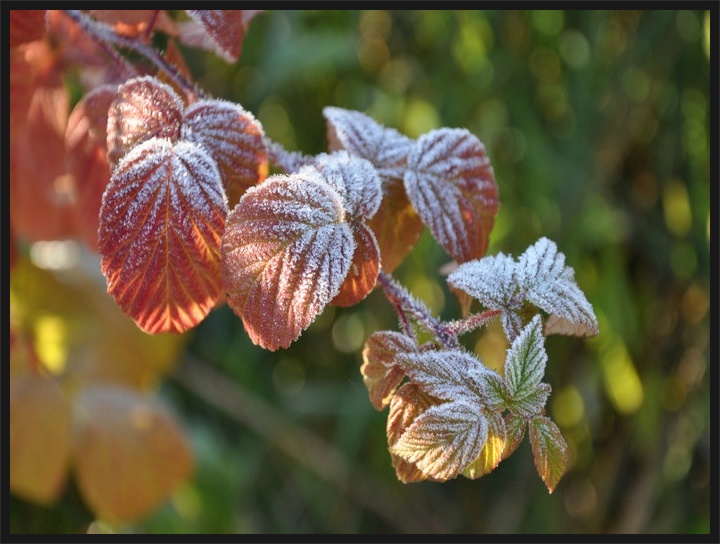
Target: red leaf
143 108
133 22
364 270
225 30
286 252
85 142
451 184
26 25
161 221
234 138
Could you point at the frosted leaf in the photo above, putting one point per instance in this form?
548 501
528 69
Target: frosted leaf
490 280
286 252
161 220
443 374
408 402
361 135
492 452
550 285
234 139
549 450
380 373
444 439
355 179
287 161
451 184
144 108
224 30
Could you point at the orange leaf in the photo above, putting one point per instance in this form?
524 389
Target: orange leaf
133 22
451 184
286 251
26 25
161 221
143 108
492 452
396 225
129 453
234 139
380 373
86 159
40 435
363 273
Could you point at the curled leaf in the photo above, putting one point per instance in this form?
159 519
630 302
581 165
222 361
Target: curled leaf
224 30
286 251
451 184
364 269
161 221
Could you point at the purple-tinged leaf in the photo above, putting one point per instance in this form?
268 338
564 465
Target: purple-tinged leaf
286 251
451 184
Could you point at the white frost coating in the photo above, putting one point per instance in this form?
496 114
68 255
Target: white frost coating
490 280
364 137
539 276
450 183
287 251
144 107
550 285
444 439
355 179
162 215
231 134
526 359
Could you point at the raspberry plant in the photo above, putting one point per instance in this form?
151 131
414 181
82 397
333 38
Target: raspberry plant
192 217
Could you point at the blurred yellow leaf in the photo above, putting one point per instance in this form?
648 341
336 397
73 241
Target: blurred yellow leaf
40 435
129 453
91 335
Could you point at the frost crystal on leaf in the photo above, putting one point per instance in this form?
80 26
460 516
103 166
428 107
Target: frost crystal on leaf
286 252
444 439
144 108
380 372
161 220
451 184
550 285
385 148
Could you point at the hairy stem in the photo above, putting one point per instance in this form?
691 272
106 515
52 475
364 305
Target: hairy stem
407 306
472 322
104 34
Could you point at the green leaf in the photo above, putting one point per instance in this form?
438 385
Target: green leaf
549 449
524 368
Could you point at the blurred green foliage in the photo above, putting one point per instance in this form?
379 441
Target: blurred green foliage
597 125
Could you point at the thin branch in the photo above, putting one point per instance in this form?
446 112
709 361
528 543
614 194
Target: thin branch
104 34
472 322
405 303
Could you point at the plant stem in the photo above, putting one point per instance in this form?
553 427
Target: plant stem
472 322
404 304
104 34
